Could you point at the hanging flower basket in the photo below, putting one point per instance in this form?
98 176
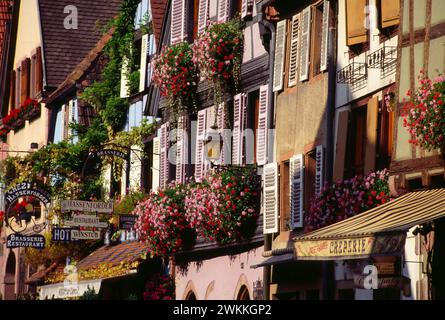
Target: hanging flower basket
218 55
161 222
224 207
424 114
176 77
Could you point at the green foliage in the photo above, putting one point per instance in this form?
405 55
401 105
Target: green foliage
104 94
135 136
128 203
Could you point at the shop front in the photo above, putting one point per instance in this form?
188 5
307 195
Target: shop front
384 253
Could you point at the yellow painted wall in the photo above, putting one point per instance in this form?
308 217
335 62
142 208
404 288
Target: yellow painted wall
28 39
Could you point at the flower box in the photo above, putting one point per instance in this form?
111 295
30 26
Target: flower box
18 124
32 114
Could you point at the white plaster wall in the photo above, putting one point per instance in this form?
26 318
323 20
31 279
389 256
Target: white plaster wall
226 273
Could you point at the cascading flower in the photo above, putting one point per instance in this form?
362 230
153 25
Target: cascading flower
224 206
424 113
161 221
344 199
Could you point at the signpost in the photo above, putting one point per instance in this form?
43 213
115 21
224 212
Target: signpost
127 221
83 220
61 234
85 235
86 206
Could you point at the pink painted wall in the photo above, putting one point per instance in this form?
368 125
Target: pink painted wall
220 278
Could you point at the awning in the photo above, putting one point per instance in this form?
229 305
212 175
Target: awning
379 231
274 260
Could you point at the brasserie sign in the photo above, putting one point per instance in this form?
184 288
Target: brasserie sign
20 241
113 153
86 206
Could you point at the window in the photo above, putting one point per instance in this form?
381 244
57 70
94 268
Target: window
285 222
309 175
317 35
355 150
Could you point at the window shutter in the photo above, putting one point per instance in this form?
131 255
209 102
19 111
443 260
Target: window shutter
340 148
279 55
124 79
355 22
246 8
164 163
325 37
263 125
181 149
39 70
156 169
25 80
296 180
32 80
270 198
371 134
319 169
221 127
223 10
199 155
202 15
239 115
178 16
18 82
294 50
66 120
305 43
12 89
390 13
143 69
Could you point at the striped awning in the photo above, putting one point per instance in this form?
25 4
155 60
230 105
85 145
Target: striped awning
379 231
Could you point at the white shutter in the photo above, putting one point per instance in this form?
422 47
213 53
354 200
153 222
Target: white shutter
199 155
270 198
221 127
246 8
202 15
296 180
305 43
239 123
279 55
223 10
263 125
164 163
143 69
294 50
156 163
181 149
319 169
124 78
325 37
178 16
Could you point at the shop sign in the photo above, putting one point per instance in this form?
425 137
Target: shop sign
83 220
21 241
25 189
127 222
85 235
385 268
382 283
113 153
86 206
350 248
61 234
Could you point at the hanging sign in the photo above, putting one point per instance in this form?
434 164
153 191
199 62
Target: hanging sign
86 206
25 189
85 235
20 241
83 220
127 221
112 152
61 234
